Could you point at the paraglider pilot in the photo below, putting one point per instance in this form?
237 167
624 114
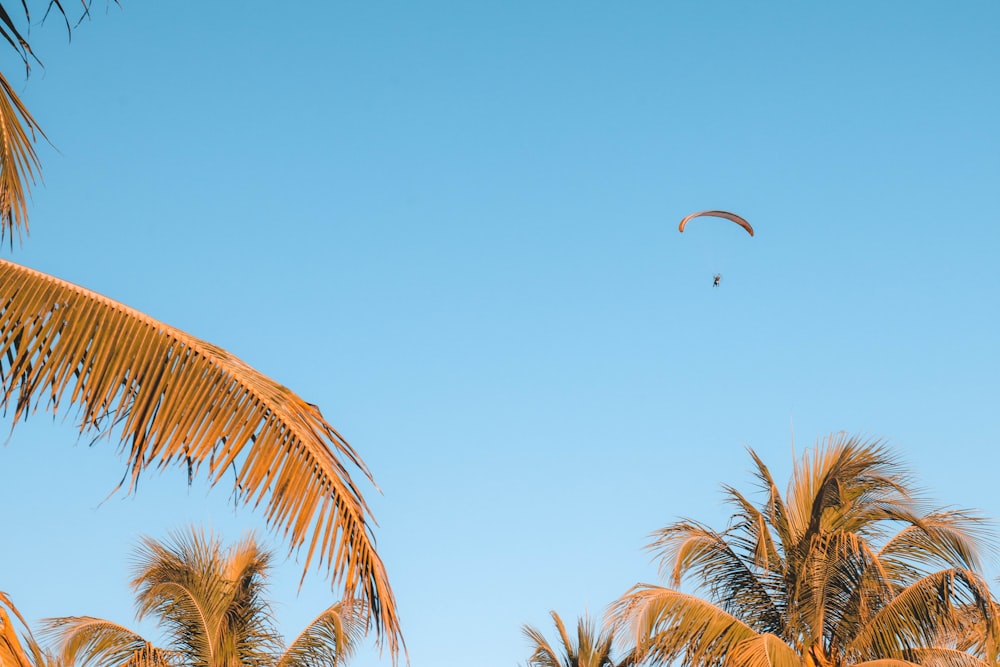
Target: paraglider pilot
716 280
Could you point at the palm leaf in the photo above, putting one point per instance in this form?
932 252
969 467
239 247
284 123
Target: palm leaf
920 614
733 581
94 642
944 538
944 657
10 33
593 646
12 652
18 161
543 654
330 639
665 625
178 400
764 650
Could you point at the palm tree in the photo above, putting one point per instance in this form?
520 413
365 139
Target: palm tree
170 398
592 648
850 567
210 601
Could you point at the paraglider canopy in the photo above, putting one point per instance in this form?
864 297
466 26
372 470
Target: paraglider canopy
719 214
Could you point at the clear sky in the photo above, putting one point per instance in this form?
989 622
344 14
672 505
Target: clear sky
453 225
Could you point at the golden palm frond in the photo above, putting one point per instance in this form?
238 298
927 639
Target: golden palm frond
920 614
846 485
543 654
765 650
94 642
18 161
330 639
723 563
944 538
175 399
776 513
665 625
754 524
593 647
943 657
12 653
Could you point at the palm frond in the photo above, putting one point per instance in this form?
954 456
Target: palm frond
330 640
543 654
12 651
764 650
593 645
178 400
12 35
730 576
774 510
943 538
592 648
94 642
757 541
944 657
19 163
667 625
917 616
837 486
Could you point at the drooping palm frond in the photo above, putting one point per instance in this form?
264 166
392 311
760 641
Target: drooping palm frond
12 651
666 625
731 578
943 538
19 165
12 34
175 399
917 616
947 657
543 654
94 642
764 650
330 640
975 632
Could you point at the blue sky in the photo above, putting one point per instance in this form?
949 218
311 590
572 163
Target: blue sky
454 227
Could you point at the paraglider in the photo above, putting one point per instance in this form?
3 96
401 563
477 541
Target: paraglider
719 214
717 278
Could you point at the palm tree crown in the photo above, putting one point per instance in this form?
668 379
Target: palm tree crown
592 648
210 601
848 568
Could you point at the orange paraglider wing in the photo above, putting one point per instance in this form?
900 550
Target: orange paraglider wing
719 214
